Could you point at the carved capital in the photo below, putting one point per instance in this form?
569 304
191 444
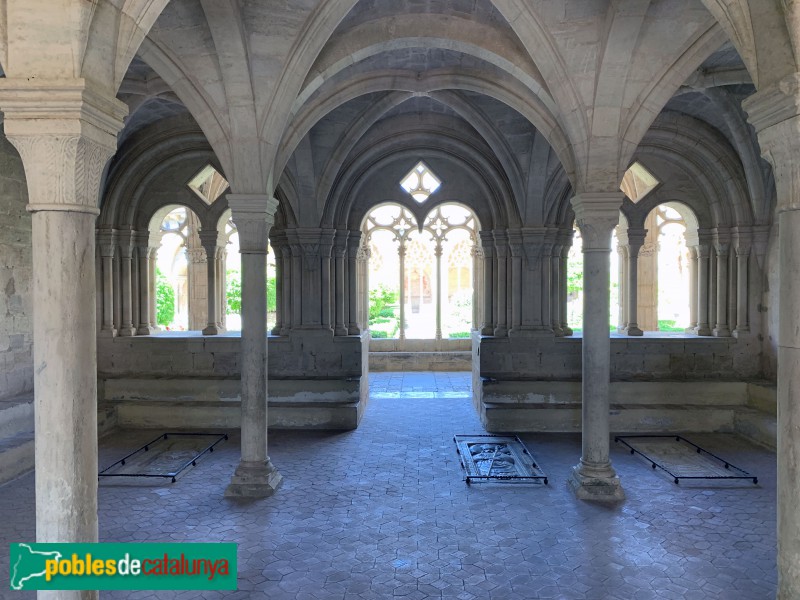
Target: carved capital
775 114
354 243
65 133
212 242
636 239
125 242
500 243
597 214
106 242
515 243
253 215
340 243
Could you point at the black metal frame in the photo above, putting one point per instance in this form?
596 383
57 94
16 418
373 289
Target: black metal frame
507 478
172 474
676 478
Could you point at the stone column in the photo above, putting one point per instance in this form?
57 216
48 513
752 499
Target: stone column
106 239
254 215
296 286
555 288
278 250
487 244
625 285
534 295
594 478
774 111
326 291
353 262
437 251
477 282
212 244
288 317
143 252
702 251
361 301
339 253
691 245
64 135
722 247
152 259
222 298
565 235
636 239
516 295
742 283
126 299
501 283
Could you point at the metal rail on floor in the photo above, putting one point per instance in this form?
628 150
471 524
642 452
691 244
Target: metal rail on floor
171 474
742 474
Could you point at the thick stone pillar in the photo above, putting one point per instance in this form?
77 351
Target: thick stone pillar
354 284
340 257
565 235
64 135
143 252
636 239
501 283
106 240
126 297
703 253
255 476
775 113
722 247
213 245
487 245
594 478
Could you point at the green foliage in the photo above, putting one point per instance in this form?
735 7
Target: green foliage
575 276
165 300
459 334
375 334
668 325
379 299
387 312
233 293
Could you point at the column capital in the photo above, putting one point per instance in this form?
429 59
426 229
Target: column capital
515 242
212 241
340 243
742 240
500 243
597 214
106 242
125 242
636 238
774 112
253 215
722 241
65 132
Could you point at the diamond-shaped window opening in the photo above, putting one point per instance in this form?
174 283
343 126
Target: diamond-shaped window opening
420 182
208 184
638 182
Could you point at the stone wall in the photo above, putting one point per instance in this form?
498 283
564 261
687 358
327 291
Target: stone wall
316 381
16 327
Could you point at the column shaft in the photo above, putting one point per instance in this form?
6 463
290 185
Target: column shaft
126 256
742 320
555 290
501 285
488 284
722 329
703 327
692 289
402 257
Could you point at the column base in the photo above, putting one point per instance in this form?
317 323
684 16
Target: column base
567 330
722 332
340 331
557 331
633 330
691 329
487 331
703 330
741 332
599 485
126 331
211 330
353 330
144 330
254 480
527 331
500 331
107 333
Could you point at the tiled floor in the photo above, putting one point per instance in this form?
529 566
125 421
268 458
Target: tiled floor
383 512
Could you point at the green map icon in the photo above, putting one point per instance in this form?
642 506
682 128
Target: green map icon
28 564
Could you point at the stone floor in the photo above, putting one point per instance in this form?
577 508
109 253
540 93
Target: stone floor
383 512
